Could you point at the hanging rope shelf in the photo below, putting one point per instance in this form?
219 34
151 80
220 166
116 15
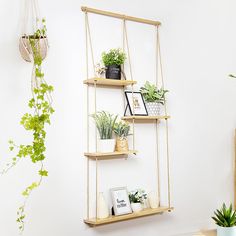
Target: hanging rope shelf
97 156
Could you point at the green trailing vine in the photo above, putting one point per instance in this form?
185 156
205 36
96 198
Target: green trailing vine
35 122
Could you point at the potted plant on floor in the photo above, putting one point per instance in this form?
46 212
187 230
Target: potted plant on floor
113 60
136 198
153 98
105 125
225 219
121 131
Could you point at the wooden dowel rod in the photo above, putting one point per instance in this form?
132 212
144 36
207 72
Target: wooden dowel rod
120 16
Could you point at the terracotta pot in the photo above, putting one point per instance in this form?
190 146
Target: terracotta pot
26 50
122 145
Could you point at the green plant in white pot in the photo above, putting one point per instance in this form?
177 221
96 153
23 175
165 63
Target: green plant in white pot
113 60
153 98
121 130
136 198
225 219
105 125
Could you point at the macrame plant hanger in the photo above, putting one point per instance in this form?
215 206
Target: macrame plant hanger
31 22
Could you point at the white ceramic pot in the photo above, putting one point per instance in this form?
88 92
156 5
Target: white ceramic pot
26 50
106 145
136 207
226 231
103 210
153 108
153 200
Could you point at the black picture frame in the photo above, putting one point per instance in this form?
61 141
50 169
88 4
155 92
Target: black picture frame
140 108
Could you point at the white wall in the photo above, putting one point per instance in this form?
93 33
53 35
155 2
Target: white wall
198 46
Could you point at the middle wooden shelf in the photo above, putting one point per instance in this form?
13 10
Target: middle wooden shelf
109 155
145 118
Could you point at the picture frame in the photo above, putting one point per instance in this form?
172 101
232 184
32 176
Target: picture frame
135 103
120 201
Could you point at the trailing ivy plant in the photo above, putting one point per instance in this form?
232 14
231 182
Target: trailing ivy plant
40 105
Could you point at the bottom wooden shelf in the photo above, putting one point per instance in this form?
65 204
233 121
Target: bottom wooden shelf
206 233
112 219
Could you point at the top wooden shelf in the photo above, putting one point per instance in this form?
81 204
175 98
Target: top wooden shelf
109 82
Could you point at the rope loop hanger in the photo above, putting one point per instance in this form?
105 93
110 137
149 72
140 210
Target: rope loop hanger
31 22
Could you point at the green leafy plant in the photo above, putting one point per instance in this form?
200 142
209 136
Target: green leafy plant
225 217
35 122
137 196
232 76
113 57
121 129
152 94
105 124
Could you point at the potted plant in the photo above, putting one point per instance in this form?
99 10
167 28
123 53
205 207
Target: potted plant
136 198
105 125
153 98
121 130
38 41
113 60
225 219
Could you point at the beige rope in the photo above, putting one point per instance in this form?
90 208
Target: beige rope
87 120
168 163
96 189
125 40
235 169
90 43
161 70
156 126
158 50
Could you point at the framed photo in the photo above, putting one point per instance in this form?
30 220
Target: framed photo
120 200
136 103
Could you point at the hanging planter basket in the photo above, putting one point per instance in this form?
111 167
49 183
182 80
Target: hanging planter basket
27 38
26 49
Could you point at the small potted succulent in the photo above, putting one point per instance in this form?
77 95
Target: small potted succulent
225 219
113 60
105 125
136 198
121 130
153 98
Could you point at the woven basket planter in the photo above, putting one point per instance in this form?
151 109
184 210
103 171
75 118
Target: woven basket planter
26 50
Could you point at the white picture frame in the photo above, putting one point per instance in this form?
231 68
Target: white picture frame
120 201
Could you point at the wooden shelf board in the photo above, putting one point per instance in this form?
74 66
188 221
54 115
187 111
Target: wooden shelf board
109 155
144 118
207 233
112 219
109 82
